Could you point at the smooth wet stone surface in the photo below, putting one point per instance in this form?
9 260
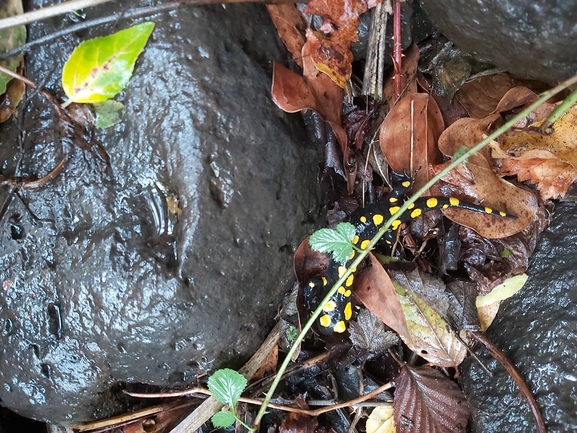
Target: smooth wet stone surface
530 38
536 329
173 262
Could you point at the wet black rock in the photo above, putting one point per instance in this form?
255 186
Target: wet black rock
536 330
530 38
171 263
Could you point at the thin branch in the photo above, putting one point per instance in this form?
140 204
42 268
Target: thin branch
48 12
258 402
515 375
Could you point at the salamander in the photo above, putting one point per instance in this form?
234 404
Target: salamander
367 221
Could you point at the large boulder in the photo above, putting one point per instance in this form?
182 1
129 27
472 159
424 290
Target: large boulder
530 38
172 262
536 330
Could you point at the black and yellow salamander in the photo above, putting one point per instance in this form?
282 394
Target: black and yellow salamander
367 221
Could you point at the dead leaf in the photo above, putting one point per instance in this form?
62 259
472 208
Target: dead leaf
426 401
374 289
480 185
549 161
368 333
409 134
330 46
381 420
15 90
291 27
297 422
481 95
431 336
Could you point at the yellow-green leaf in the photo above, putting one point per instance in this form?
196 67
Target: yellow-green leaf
431 336
381 420
108 113
503 291
10 38
100 68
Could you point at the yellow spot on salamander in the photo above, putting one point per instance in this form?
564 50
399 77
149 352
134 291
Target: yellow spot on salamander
340 327
488 210
347 293
503 214
342 290
348 311
406 184
416 213
395 224
393 199
445 206
341 271
432 202
454 201
389 242
365 244
363 219
325 321
352 256
356 239
394 209
325 282
411 206
378 219
311 285
330 306
350 280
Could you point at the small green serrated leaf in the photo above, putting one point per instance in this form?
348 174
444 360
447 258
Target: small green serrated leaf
108 113
338 242
100 68
226 386
223 419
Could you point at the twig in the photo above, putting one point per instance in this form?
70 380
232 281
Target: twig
72 5
47 12
309 412
519 381
397 47
130 14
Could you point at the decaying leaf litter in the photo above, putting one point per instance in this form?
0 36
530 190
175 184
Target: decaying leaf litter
417 136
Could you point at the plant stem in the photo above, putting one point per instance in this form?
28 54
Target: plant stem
542 98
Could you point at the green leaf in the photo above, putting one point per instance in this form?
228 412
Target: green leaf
10 38
338 242
100 68
108 113
226 386
223 419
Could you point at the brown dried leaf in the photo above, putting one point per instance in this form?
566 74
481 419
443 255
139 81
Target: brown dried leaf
431 336
9 106
426 401
291 27
480 185
409 134
374 289
309 263
481 95
368 333
550 161
331 48
297 422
